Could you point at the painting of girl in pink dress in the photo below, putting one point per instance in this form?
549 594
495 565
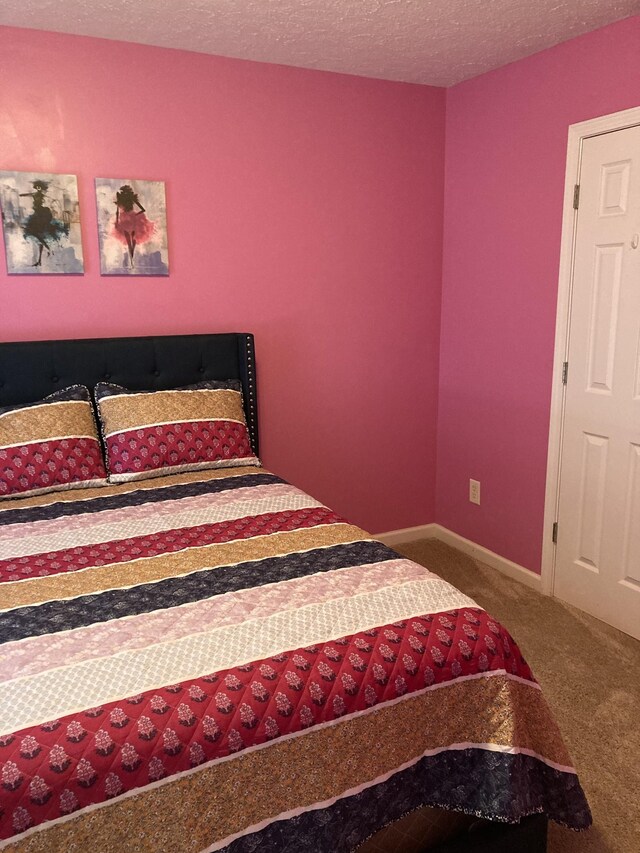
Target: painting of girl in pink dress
132 227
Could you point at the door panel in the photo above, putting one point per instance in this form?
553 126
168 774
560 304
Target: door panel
631 561
594 471
604 316
614 189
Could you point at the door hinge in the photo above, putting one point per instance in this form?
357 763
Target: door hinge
554 534
565 372
576 196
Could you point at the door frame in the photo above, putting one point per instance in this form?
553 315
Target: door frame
577 134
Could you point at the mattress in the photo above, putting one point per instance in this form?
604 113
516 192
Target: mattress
216 661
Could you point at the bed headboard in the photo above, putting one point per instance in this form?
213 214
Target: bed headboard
29 370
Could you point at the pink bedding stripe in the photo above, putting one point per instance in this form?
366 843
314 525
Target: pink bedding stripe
38 654
128 514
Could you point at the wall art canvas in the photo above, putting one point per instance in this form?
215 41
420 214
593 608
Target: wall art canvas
132 227
41 223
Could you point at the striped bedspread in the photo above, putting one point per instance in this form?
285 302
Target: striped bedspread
216 661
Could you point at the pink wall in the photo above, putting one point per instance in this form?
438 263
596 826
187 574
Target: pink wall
307 207
505 162
303 206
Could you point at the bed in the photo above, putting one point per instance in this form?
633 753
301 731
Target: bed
211 660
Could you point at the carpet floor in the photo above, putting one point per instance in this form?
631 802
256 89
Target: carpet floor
590 675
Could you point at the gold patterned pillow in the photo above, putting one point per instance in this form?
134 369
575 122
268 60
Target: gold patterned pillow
50 445
151 433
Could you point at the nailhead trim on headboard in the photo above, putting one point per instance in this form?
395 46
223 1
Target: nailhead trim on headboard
251 392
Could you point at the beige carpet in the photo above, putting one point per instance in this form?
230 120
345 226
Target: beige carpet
590 674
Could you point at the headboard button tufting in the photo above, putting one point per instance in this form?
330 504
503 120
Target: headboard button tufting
55 379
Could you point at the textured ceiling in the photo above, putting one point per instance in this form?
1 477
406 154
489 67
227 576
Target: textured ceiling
438 42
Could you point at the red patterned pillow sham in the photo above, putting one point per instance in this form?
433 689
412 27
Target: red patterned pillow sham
50 445
152 433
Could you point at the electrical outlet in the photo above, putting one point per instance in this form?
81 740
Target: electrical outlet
474 491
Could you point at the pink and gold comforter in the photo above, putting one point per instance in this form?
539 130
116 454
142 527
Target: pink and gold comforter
216 661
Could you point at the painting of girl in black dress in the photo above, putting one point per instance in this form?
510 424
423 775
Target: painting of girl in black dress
132 227
41 223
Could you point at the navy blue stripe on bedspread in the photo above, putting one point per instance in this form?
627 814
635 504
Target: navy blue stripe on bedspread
55 616
136 497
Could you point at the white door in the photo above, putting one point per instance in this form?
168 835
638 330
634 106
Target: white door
598 544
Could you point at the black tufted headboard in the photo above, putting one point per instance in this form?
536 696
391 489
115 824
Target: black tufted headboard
29 370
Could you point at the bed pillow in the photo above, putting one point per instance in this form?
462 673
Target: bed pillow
50 445
152 433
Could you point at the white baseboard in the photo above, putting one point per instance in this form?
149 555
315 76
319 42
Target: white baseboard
408 534
472 549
